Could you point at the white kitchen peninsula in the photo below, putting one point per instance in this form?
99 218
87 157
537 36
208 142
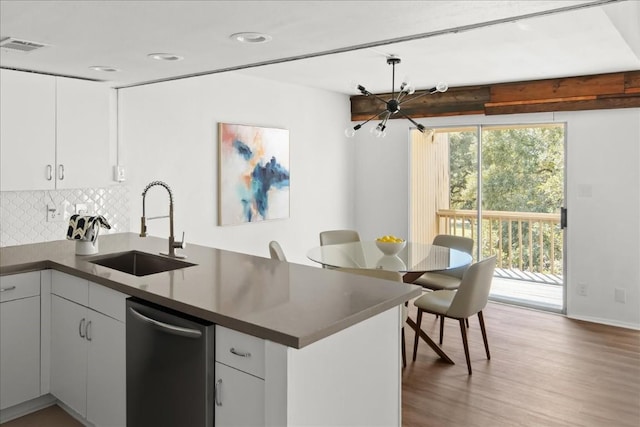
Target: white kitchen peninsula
326 342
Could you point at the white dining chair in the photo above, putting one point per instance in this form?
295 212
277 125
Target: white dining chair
470 298
334 237
449 279
276 252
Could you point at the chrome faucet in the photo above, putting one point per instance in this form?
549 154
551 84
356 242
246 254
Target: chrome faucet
173 245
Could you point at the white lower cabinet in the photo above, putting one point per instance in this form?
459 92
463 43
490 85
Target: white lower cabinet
239 398
88 359
69 353
106 374
19 338
240 386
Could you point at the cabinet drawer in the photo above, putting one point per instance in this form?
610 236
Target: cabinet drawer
70 287
107 301
18 286
240 351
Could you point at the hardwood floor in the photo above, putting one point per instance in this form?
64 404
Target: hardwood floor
53 416
545 370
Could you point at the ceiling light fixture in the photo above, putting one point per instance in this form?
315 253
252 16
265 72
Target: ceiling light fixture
106 68
392 106
251 37
165 57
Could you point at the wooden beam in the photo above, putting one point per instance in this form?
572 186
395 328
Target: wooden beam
602 91
541 90
568 105
632 82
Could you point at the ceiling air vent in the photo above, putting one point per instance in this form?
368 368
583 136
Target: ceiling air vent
19 45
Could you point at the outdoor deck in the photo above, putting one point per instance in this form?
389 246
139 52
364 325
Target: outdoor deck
536 290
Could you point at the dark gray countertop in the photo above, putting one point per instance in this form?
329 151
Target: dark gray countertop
287 303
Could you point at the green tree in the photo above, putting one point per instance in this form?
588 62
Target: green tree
522 171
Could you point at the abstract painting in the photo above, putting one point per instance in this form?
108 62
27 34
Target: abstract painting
253 174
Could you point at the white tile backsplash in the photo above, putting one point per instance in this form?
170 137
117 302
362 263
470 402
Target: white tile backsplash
23 214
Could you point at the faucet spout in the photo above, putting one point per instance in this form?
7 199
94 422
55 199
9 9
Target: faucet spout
173 244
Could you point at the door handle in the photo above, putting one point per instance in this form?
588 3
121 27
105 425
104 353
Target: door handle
563 218
81 328
61 172
87 331
218 392
240 353
171 329
49 173
8 288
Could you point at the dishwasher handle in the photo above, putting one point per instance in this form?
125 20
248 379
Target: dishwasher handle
171 329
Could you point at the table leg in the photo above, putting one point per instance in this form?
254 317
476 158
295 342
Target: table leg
429 341
410 277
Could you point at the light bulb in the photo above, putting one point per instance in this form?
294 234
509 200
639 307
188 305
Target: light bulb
442 87
408 88
349 132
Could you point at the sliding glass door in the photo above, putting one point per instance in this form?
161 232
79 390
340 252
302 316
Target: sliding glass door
503 186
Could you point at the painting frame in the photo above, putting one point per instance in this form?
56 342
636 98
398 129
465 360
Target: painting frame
253 174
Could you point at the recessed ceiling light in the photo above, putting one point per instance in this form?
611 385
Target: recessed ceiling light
107 68
249 37
165 57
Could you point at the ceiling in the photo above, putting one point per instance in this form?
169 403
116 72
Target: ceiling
329 45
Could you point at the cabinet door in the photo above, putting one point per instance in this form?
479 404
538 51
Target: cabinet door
106 375
69 353
27 133
84 157
19 351
239 398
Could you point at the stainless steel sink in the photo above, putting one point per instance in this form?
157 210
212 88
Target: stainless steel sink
140 263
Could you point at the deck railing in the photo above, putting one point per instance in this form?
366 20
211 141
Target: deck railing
528 241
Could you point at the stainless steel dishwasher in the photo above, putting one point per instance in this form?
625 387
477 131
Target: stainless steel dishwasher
170 368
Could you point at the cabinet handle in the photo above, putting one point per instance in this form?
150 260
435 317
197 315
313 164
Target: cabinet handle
81 328
61 172
49 172
8 288
171 329
87 331
240 353
218 392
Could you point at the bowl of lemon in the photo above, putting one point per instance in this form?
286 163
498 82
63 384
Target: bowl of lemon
390 245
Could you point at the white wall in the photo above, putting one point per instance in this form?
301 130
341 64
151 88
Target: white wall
168 132
603 237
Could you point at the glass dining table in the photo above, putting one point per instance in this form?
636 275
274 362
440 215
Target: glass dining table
412 261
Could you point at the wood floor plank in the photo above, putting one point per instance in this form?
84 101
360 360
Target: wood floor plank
52 416
545 370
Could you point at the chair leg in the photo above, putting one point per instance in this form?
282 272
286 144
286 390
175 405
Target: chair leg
484 334
463 330
415 342
404 351
441 328
467 321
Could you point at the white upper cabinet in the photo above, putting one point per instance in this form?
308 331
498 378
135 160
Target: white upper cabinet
82 134
55 132
27 130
